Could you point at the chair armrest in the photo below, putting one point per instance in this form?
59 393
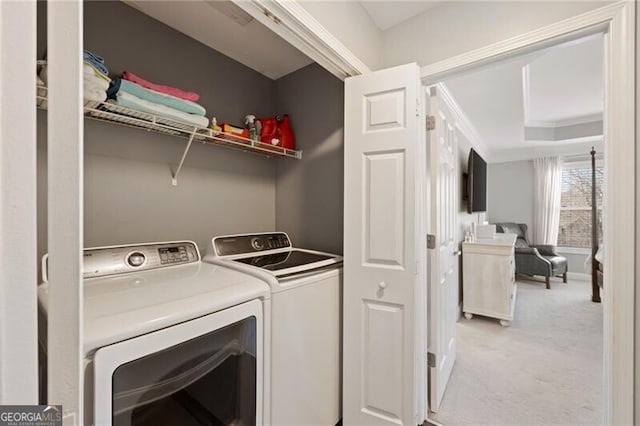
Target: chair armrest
527 250
530 262
546 250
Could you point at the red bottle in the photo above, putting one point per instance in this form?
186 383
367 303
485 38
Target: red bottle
269 132
286 132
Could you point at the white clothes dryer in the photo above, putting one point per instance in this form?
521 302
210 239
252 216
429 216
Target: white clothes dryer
168 340
306 323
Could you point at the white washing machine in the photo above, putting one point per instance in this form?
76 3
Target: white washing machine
169 340
306 323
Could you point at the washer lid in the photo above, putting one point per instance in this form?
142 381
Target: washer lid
285 260
120 307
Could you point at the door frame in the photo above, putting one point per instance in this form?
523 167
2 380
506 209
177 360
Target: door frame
617 20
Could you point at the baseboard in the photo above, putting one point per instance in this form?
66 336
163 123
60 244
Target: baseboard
581 276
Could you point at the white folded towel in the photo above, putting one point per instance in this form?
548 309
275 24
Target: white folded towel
90 75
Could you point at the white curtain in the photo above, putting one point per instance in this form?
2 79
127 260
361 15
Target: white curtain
547 193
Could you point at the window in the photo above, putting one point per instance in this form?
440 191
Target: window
575 210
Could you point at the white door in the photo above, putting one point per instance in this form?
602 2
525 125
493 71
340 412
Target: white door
382 256
443 258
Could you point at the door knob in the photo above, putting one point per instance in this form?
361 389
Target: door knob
382 285
457 252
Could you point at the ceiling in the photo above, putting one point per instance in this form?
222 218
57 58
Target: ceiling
225 27
386 14
543 100
228 29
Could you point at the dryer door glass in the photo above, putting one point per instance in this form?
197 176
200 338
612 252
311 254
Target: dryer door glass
209 380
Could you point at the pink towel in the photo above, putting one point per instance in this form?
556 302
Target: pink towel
190 96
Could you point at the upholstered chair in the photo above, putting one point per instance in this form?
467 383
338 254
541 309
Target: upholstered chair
542 260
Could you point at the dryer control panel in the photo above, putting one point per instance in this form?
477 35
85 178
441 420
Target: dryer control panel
251 243
101 261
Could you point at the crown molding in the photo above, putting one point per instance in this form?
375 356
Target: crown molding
584 119
531 152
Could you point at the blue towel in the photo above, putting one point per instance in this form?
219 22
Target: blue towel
121 85
96 61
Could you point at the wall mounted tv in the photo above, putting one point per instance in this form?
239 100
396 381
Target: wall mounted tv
475 188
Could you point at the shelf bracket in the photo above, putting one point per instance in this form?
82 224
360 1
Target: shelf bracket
174 175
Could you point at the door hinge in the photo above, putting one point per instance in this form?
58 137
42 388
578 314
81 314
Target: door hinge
431 122
431 359
431 241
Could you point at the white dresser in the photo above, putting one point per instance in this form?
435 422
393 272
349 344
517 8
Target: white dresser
488 274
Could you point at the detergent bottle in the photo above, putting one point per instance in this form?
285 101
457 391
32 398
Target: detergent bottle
286 133
269 132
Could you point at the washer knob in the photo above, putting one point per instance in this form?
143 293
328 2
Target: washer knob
257 243
136 259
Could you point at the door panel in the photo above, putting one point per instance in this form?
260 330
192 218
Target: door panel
443 302
383 358
385 110
381 254
384 208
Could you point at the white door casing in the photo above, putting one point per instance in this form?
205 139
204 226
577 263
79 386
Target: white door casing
443 259
18 205
381 256
65 194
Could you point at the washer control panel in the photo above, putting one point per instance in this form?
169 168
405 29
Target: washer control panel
101 261
240 244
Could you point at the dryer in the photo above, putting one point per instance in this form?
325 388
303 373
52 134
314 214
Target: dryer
168 339
305 338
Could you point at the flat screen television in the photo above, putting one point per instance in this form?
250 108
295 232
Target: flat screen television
475 188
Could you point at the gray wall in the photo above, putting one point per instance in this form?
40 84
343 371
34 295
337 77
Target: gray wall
576 262
510 192
309 193
128 193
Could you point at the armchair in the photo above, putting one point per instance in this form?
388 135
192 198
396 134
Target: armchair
533 260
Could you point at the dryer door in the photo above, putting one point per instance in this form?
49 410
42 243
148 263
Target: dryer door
201 372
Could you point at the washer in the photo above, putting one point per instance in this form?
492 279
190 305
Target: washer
306 322
168 339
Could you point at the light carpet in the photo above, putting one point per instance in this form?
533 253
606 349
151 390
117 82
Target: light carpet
545 369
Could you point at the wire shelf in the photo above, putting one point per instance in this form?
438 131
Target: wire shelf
116 114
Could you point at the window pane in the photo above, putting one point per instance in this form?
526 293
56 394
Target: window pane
575 213
575 228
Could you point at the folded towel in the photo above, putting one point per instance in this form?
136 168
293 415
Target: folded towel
93 94
90 76
96 61
128 100
94 86
156 97
89 68
178 93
